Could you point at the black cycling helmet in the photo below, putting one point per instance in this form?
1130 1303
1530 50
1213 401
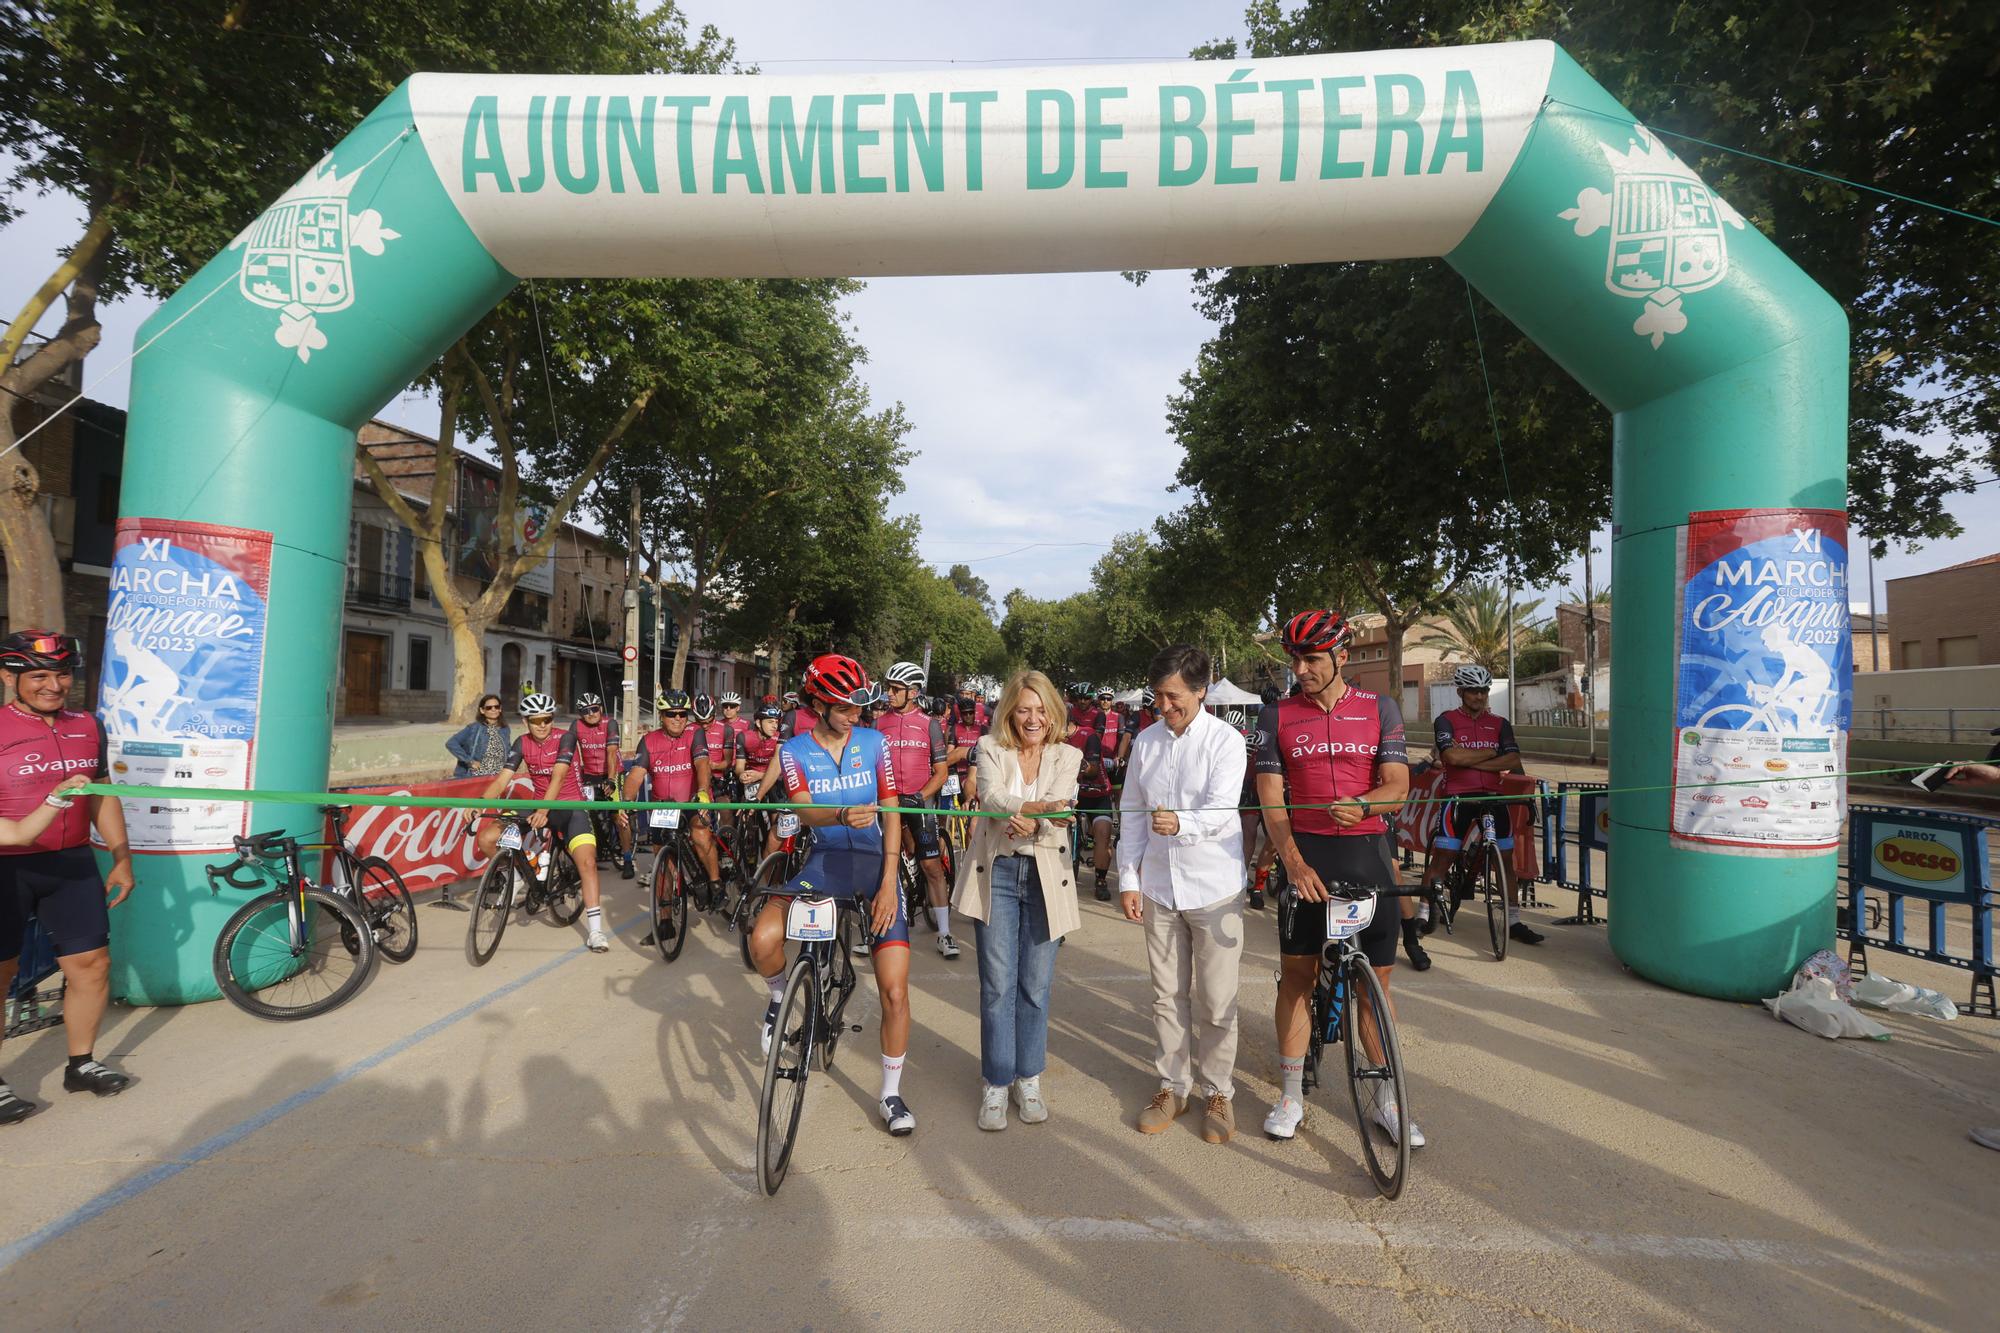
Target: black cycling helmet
40 650
704 708
1079 689
938 705
769 708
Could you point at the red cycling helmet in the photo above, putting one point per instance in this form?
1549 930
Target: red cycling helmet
835 679
40 650
1316 632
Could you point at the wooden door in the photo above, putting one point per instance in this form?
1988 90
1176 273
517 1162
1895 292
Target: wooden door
366 656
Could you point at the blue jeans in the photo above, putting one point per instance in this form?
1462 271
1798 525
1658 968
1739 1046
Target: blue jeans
1017 968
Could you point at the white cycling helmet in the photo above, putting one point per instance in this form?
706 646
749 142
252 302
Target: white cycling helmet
1472 676
537 705
904 673
730 698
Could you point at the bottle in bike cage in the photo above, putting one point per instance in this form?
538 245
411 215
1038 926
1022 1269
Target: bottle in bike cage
542 862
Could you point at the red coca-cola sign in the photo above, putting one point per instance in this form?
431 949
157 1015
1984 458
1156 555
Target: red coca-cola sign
427 845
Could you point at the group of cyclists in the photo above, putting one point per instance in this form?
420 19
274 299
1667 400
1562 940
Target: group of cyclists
872 767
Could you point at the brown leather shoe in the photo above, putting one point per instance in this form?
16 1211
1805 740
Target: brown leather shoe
1219 1124
1161 1111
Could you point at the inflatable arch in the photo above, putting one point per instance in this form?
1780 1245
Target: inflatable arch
1724 365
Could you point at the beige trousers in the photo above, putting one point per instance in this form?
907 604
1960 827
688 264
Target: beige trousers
1194 957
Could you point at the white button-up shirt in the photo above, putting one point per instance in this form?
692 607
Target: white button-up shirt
1199 776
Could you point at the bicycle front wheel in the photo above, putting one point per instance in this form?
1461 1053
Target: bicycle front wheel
670 904
1369 1079
1493 889
785 1072
492 904
279 961
387 902
565 888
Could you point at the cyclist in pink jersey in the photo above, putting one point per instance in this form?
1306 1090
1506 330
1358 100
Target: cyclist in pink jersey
918 753
1476 745
676 759
547 758
52 876
596 762
757 769
1330 764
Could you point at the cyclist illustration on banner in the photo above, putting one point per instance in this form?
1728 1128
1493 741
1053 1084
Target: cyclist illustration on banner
1765 679
183 670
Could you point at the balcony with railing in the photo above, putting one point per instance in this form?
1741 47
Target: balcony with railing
374 588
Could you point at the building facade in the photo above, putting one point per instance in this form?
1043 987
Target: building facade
1949 617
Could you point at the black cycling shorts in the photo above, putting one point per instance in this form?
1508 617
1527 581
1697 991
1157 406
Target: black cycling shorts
1456 819
1353 859
63 891
923 825
1095 803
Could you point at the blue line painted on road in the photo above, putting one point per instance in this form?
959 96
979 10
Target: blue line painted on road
228 1138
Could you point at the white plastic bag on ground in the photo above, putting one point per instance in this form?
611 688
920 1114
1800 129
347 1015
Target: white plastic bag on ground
1811 1004
1826 963
1904 998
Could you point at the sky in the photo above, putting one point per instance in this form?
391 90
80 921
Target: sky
1039 405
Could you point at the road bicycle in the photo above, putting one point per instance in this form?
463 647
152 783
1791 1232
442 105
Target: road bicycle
678 879
1477 871
955 802
297 950
810 1022
910 879
374 884
1345 974
530 870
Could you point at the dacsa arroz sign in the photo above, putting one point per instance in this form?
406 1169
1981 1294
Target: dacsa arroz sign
1924 857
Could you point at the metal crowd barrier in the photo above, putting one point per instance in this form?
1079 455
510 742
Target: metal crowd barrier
1941 860
1568 845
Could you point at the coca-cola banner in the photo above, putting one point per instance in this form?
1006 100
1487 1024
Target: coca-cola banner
1766 679
428 846
1414 824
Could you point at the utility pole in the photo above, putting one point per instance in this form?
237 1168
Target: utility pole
628 726
1590 651
927 664
659 627
1510 640
1874 616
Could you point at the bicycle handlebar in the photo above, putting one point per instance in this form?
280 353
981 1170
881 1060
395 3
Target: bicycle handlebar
1289 893
227 874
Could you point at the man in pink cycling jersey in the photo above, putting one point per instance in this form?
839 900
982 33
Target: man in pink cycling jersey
596 753
676 759
1330 764
918 753
1476 745
54 878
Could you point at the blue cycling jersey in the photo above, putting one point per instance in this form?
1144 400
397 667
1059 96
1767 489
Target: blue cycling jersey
862 775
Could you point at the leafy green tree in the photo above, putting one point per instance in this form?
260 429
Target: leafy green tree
173 123
972 586
1474 626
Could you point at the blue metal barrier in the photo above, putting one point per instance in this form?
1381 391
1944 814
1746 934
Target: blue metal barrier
1592 833
1940 859
30 1006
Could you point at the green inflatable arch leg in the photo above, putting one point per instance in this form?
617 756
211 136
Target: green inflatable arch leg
1724 366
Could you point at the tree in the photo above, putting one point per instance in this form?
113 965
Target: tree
1876 93
500 362
173 124
963 579
1474 626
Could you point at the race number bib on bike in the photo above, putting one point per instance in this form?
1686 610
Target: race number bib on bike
510 838
788 826
810 919
666 819
950 787
1347 917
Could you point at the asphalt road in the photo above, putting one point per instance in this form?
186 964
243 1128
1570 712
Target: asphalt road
561 1139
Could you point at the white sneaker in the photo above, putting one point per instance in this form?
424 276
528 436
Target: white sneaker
1028 1092
898 1116
599 942
1285 1117
947 946
1388 1115
992 1107
770 1023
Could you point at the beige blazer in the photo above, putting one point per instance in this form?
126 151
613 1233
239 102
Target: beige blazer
999 770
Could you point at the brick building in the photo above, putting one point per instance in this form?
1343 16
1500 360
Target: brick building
1871 641
1947 618
1570 622
1368 662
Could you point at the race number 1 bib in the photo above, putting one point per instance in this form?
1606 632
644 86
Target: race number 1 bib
1347 917
810 919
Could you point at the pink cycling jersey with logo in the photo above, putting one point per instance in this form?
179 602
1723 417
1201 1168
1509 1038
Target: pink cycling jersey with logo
669 762
757 751
35 755
916 742
1328 755
1489 733
593 747
538 759
715 735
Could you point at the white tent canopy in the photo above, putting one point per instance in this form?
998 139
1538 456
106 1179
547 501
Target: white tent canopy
1224 694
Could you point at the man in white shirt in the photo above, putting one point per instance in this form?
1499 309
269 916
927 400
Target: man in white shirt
1180 874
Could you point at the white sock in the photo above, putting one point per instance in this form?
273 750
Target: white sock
593 917
942 915
892 1076
1295 1077
1513 915
1423 911
776 985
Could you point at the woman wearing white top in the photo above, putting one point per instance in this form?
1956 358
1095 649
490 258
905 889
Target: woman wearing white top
1014 884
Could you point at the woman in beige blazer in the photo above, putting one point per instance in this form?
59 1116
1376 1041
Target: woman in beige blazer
1014 881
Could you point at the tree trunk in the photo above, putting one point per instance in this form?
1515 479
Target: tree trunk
685 619
34 573
468 661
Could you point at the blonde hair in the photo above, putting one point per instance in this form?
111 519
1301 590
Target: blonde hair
1052 701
